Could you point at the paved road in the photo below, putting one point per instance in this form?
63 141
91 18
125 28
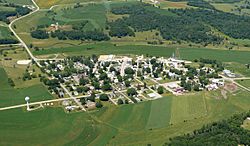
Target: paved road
40 102
22 42
72 97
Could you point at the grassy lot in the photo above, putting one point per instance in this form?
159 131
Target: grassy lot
11 96
5 33
221 55
22 2
238 68
48 127
245 83
44 4
174 5
94 13
160 113
185 53
225 7
184 108
108 48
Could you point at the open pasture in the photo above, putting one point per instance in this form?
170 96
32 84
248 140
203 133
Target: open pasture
49 127
5 33
245 83
21 2
108 48
152 122
12 96
44 4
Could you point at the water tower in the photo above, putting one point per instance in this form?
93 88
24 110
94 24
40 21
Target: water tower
27 101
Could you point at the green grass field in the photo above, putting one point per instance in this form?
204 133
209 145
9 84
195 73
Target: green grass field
185 53
245 83
135 124
108 48
21 2
10 96
5 33
238 68
94 13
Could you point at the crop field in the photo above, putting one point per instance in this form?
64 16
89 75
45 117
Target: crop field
245 83
221 55
108 48
224 6
12 96
150 122
5 33
188 107
47 4
174 5
185 53
238 68
94 13
21 2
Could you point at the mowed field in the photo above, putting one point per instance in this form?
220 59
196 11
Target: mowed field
152 122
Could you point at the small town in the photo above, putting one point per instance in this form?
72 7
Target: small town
128 79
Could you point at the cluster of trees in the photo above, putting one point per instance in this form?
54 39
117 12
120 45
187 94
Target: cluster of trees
39 34
225 132
80 35
19 11
230 24
11 82
8 41
171 27
72 35
119 29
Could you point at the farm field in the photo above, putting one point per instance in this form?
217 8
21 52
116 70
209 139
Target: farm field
132 121
5 33
21 2
245 83
238 68
12 96
140 124
185 53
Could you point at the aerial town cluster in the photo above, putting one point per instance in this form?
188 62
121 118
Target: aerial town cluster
125 79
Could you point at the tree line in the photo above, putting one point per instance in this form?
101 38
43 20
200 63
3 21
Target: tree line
171 27
225 132
19 11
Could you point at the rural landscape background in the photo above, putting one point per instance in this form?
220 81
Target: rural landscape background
40 30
